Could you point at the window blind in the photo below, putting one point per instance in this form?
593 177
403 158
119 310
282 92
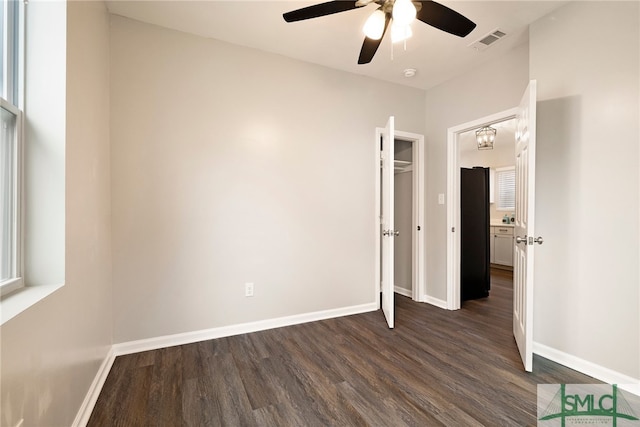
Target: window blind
506 189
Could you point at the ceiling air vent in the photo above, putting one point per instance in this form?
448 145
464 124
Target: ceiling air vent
487 40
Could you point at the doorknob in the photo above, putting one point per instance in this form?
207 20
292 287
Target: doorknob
397 233
538 240
521 239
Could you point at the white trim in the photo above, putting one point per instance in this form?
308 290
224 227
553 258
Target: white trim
10 285
435 301
453 200
242 328
418 239
17 281
402 291
594 370
377 247
84 413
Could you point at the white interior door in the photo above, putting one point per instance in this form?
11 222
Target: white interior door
524 225
388 230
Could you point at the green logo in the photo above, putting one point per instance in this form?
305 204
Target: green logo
585 404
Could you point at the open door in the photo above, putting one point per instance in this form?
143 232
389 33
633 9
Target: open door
388 231
524 225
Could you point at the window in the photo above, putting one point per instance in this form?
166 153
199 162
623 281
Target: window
11 12
506 180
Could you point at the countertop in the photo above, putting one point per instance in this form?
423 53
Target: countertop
499 224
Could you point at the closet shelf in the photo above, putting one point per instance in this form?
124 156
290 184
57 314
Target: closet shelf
402 166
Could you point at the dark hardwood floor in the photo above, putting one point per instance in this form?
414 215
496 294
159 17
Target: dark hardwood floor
436 367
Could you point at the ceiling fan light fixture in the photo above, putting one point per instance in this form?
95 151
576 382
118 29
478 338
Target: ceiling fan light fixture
404 12
374 26
400 32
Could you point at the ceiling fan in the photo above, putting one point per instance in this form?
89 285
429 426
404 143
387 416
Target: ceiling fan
402 12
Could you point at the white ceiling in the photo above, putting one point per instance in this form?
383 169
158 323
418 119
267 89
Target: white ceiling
334 41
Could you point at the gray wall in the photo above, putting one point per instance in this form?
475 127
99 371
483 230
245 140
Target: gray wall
585 58
231 165
51 352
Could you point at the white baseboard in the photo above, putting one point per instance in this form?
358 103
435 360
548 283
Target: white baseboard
402 291
435 301
243 328
82 417
601 373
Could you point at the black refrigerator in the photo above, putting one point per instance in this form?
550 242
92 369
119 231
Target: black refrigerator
474 233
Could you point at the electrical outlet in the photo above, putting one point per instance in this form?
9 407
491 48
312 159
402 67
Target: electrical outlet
248 289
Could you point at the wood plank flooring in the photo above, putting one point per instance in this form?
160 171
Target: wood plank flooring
436 367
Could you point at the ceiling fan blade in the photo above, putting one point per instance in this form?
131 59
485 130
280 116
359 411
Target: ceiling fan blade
370 46
318 10
444 19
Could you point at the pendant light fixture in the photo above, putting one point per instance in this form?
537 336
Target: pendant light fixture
485 138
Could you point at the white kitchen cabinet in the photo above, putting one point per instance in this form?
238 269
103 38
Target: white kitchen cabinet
492 245
501 245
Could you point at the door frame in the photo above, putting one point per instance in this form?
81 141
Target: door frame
453 196
418 239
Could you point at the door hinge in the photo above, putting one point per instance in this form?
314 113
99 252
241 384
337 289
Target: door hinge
453 229
418 228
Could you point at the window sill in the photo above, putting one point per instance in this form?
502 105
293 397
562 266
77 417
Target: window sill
20 300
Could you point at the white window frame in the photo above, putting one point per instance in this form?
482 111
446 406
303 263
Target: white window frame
12 100
498 193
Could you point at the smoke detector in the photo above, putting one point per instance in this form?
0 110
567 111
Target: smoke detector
487 40
409 72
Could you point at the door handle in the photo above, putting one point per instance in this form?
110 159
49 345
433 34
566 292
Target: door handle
396 233
521 239
538 240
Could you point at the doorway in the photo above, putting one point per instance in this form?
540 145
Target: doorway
409 168
487 207
524 221
456 137
403 218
